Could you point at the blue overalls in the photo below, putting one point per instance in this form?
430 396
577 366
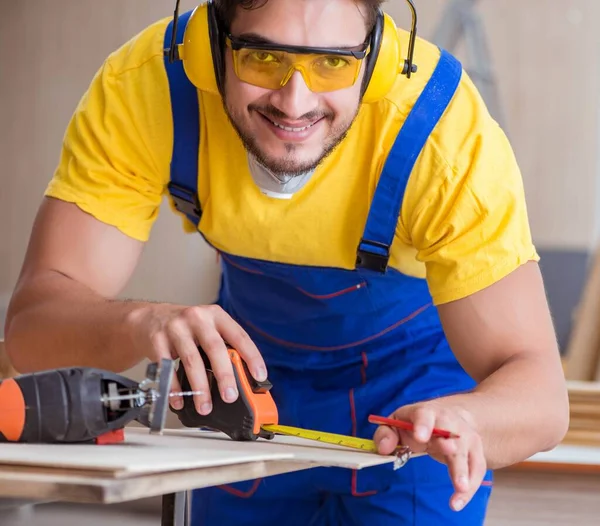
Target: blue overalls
339 345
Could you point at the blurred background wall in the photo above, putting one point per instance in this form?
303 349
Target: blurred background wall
544 57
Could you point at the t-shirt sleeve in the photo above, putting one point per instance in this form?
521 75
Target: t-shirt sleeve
467 217
111 163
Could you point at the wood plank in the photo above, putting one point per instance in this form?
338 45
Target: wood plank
565 458
180 449
141 453
74 486
572 454
584 344
301 449
87 478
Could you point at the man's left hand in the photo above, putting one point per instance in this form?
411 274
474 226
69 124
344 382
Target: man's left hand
464 455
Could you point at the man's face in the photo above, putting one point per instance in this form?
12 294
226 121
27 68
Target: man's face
315 122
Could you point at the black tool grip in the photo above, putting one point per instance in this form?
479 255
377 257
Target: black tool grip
62 406
235 419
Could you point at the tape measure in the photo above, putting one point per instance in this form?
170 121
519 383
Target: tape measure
321 436
403 454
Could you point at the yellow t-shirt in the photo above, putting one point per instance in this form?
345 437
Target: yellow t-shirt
463 223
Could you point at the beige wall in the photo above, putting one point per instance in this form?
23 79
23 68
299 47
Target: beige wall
57 45
546 62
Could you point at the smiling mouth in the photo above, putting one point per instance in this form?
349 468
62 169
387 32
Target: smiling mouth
290 128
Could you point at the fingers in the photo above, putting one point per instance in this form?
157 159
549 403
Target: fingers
464 456
162 349
456 456
182 340
386 439
208 327
423 418
467 473
238 338
201 323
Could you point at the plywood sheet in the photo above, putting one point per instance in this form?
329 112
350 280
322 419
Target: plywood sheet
302 450
47 484
141 453
569 454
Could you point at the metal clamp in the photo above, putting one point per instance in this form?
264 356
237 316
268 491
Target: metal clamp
402 457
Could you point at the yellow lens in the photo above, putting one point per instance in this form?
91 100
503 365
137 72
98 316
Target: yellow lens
271 69
333 72
261 67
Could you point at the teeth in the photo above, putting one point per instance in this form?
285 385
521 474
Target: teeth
287 128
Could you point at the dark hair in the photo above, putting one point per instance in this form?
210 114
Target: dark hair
226 9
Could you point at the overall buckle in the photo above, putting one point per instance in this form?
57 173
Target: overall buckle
373 260
186 201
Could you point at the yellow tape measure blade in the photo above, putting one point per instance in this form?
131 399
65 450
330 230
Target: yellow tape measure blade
321 436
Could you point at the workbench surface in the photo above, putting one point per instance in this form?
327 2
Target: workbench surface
180 460
148 465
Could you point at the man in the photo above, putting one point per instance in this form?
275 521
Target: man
376 252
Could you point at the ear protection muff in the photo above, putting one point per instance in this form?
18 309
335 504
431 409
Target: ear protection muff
384 59
202 53
202 49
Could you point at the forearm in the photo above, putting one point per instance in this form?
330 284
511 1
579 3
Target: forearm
519 410
54 321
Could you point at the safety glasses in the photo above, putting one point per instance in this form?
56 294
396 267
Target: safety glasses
271 66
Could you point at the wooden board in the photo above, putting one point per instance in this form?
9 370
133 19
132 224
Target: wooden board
143 453
563 458
583 350
53 484
300 449
151 465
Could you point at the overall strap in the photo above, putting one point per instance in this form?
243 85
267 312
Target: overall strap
374 249
183 185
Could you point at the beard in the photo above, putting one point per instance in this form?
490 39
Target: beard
288 166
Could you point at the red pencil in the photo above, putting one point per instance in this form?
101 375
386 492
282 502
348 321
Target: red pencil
408 426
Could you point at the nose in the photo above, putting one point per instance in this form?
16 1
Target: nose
294 99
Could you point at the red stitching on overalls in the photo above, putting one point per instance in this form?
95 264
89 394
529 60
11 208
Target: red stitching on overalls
487 483
355 492
338 347
363 369
334 294
331 295
242 494
237 265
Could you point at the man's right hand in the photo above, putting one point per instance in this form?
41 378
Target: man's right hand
174 331
75 268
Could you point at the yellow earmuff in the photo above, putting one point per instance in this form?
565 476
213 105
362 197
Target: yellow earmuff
203 59
387 64
200 60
